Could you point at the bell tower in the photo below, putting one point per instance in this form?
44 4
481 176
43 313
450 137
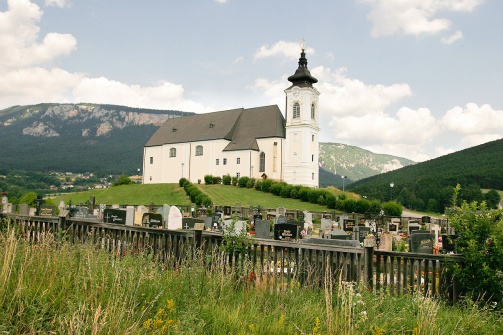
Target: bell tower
301 143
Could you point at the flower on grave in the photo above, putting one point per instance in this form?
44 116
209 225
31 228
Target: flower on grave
303 233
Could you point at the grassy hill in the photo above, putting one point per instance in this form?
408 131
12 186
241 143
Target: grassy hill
158 194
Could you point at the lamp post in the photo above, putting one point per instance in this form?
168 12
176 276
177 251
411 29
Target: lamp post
182 168
139 175
343 180
251 171
391 190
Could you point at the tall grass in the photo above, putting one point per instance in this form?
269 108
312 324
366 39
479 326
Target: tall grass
55 287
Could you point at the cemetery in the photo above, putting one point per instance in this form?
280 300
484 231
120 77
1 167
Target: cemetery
400 254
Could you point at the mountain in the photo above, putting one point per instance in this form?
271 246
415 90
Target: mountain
432 181
354 163
104 139
109 139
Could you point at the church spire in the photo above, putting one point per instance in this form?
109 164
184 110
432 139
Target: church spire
302 77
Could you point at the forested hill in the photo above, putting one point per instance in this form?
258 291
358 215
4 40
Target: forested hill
104 139
473 168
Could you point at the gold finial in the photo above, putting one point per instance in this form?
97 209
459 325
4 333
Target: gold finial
303 41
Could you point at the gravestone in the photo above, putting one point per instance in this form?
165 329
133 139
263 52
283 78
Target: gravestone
207 222
32 211
360 232
175 218
413 225
129 216
217 220
137 218
326 227
290 216
9 208
394 226
227 210
112 215
142 209
257 217
281 219
90 203
79 212
421 242
426 219
3 206
115 206
338 234
300 215
435 229
386 241
5 200
348 225
238 226
285 231
308 217
152 220
47 210
280 211
271 216
327 216
24 209
189 223
262 228
341 220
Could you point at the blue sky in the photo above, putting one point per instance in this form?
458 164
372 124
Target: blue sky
413 78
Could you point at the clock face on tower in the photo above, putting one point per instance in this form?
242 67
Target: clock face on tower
295 92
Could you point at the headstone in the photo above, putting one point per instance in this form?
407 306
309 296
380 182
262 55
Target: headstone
217 220
227 210
348 225
327 216
257 217
189 223
326 227
280 219
175 218
300 215
386 241
199 226
207 222
412 226
129 216
271 216
426 219
290 216
360 232
32 211
165 214
137 218
141 209
5 200
262 228
24 209
152 220
308 217
435 229
280 211
115 206
338 234
46 210
90 203
112 215
422 243
79 212
8 208
285 232
394 226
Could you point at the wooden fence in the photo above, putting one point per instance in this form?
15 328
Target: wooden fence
274 262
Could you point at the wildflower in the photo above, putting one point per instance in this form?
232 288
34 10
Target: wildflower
251 328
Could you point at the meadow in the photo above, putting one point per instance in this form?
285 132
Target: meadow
56 287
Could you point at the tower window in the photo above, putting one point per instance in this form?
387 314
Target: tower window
225 161
238 160
312 137
313 109
312 176
262 162
296 110
172 152
217 161
312 158
151 160
199 150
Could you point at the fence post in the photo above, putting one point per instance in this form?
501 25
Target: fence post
368 255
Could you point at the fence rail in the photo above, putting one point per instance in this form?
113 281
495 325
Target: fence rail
275 262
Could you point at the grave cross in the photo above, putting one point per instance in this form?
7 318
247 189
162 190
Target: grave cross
186 226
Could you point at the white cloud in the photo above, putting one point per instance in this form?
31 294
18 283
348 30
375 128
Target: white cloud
285 49
56 3
414 17
452 38
221 1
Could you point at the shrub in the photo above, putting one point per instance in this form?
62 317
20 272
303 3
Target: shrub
208 179
251 183
234 181
266 185
331 200
276 188
226 179
286 191
258 186
207 201
294 193
216 180
182 181
243 181
392 208
123 180
362 206
304 193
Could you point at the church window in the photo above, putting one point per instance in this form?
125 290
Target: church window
312 176
312 158
172 152
217 161
296 110
238 175
225 161
238 160
199 150
313 109
312 138
151 160
262 162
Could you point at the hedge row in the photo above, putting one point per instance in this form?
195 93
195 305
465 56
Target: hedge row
194 193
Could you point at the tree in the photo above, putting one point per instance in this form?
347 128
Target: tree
123 180
29 199
492 198
392 208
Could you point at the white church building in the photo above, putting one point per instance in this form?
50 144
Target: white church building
255 142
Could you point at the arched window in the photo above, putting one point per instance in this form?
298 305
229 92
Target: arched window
172 152
296 110
199 150
262 162
313 109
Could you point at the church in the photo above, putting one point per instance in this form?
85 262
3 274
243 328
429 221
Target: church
255 142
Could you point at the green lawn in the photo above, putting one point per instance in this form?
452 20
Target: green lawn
158 194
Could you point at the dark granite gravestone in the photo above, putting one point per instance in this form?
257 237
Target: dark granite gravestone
47 210
23 209
262 228
334 242
215 221
79 212
281 219
208 220
286 232
257 217
359 233
348 225
290 216
189 223
152 220
422 243
426 219
300 215
227 210
117 216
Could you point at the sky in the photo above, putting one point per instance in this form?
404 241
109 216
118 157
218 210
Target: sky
413 78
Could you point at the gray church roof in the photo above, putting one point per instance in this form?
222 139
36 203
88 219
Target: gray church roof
241 127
